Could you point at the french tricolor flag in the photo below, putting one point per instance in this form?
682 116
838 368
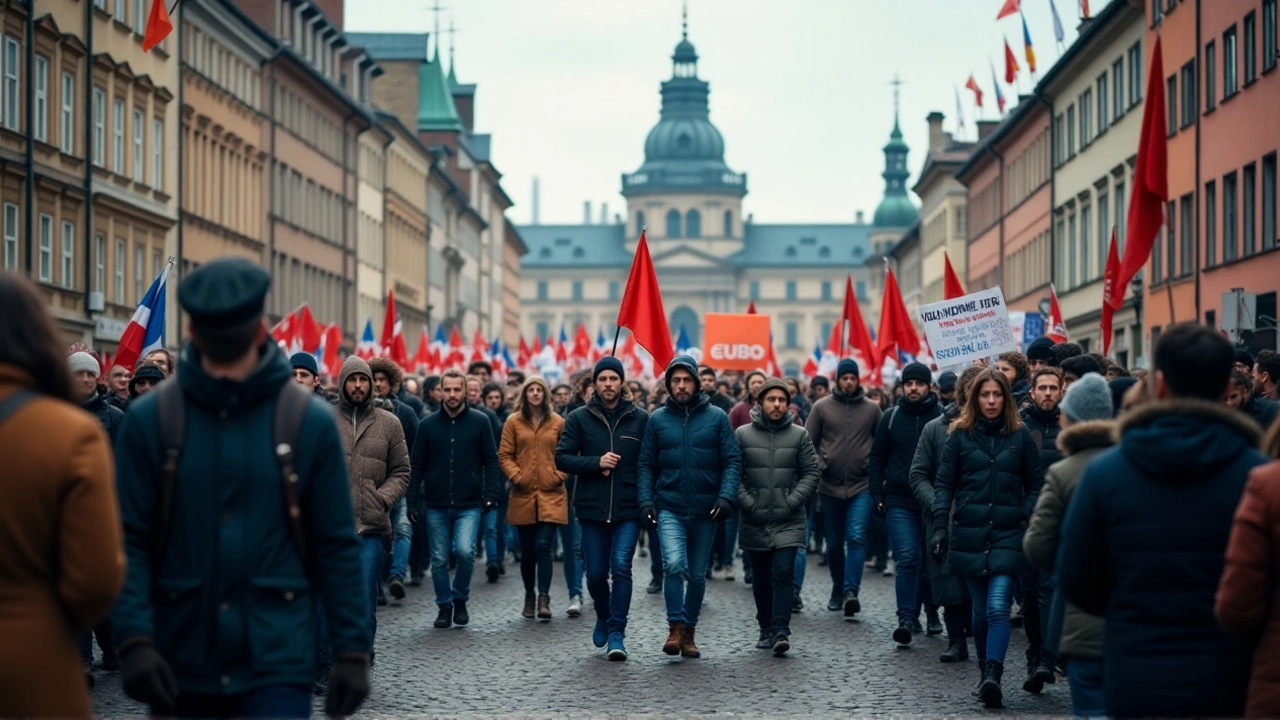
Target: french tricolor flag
145 332
367 347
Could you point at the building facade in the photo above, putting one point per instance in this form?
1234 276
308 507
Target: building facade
944 204
407 165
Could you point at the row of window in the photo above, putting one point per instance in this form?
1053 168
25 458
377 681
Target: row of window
309 124
119 8
692 223
223 184
1083 228
1099 107
301 202
294 282
1237 233
222 66
1027 268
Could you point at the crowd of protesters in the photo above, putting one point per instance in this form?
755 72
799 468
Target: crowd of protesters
1123 518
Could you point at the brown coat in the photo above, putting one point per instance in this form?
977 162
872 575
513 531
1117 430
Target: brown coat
1246 605
61 554
528 459
377 457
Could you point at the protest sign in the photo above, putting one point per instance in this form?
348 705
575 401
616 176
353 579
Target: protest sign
968 328
736 342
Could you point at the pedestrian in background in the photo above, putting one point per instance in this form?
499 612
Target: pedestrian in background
61 555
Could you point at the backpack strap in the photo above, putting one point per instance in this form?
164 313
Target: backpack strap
291 409
172 414
15 402
893 415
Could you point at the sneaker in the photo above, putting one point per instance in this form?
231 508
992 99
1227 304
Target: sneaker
765 642
902 635
321 686
655 585
396 587
728 572
445 618
797 605
617 650
460 616
851 605
600 635
492 573
575 606
781 644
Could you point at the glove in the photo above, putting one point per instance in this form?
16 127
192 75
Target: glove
146 676
413 515
648 517
939 544
878 507
348 685
721 510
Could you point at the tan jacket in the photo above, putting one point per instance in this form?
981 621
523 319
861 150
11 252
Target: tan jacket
528 459
62 559
377 456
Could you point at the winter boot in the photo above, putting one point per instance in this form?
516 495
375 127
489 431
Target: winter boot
957 650
544 608
675 637
528 611
1034 683
933 624
990 692
1044 669
688 648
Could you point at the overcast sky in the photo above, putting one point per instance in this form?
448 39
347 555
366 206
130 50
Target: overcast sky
800 89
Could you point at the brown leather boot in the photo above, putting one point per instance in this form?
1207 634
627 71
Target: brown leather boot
527 613
674 639
687 647
544 607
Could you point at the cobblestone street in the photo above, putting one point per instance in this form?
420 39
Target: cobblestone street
503 665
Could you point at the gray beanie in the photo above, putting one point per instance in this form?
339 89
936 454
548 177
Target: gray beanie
1088 398
83 361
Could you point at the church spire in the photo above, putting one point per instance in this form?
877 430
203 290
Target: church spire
453 75
896 209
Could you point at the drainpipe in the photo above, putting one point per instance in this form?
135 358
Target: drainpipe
1198 214
88 149
181 154
31 136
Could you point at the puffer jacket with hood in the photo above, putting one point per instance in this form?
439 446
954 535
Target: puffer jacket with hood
689 456
1144 545
843 426
376 451
779 476
894 448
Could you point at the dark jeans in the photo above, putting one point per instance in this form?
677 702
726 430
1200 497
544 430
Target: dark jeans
571 542
1037 597
655 553
911 582
774 588
607 549
991 598
371 557
273 701
537 552
846 524
495 535
103 632
1087 697
878 541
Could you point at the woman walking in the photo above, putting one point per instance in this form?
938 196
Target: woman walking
990 471
780 475
538 502
61 554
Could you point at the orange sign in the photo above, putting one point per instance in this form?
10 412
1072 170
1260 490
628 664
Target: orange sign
736 342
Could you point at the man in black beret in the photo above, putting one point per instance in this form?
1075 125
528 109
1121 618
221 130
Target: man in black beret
1040 353
231 548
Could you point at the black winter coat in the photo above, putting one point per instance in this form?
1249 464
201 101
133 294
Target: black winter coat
407 398
108 415
1044 428
408 420
895 447
994 479
590 432
454 463
1262 410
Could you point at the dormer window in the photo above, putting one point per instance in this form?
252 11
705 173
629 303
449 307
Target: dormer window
579 252
808 241
824 252
544 252
564 241
791 251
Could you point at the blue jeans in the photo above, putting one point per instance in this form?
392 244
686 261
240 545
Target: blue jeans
1087 696
991 598
686 550
452 529
906 536
571 541
731 541
607 549
371 564
273 701
846 524
495 536
403 543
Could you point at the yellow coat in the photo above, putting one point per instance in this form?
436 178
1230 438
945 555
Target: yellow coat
528 459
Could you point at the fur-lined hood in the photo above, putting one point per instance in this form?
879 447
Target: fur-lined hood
1086 436
1185 441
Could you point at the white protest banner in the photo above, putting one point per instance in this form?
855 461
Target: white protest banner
968 328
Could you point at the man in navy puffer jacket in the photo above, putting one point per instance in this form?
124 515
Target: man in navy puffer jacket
689 470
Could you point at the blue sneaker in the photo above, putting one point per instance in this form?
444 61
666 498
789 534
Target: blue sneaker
600 635
617 651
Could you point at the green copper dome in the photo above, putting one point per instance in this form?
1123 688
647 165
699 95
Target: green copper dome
896 209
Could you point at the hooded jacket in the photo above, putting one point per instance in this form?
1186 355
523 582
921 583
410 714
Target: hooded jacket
527 456
779 476
1144 545
376 451
590 432
689 456
894 448
110 416
843 426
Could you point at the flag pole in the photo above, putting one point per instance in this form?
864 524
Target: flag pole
617 331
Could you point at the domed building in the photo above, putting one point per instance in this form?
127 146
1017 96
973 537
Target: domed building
709 256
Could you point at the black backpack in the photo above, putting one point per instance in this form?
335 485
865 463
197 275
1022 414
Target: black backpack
291 409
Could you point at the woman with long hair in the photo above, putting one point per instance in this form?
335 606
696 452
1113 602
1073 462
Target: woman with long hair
988 480
61 554
538 502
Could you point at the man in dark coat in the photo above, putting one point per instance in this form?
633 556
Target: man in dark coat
1145 537
892 451
1241 397
689 470
224 608
707 376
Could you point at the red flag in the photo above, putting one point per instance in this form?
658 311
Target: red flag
581 344
308 331
1084 11
392 341
479 346
896 329
1010 63
537 345
855 336
158 25
1150 188
751 309
641 310
1057 330
332 339
523 355
773 369
422 357
951 287
456 356
285 332
1010 7
1108 281
977 91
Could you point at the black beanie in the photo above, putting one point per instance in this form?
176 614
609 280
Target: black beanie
1040 349
917 371
608 362
847 366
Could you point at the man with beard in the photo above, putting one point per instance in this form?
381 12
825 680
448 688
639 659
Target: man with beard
688 474
891 454
1240 396
707 375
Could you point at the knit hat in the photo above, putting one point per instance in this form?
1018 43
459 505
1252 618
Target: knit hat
1243 357
917 371
1088 398
147 371
947 382
608 362
304 361
1119 387
820 381
775 384
847 366
1040 349
84 362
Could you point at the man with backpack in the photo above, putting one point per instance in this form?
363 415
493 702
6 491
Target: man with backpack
238 523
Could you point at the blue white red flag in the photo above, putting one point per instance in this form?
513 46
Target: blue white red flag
145 331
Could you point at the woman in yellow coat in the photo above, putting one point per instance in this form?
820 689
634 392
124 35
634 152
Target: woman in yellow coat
538 503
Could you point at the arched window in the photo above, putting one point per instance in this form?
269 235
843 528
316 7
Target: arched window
693 224
673 223
639 222
728 223
685 317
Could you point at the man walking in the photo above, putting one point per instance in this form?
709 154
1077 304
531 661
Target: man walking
235 537
454 477
892 451
600 444
388 380
707 376
842 426
689 471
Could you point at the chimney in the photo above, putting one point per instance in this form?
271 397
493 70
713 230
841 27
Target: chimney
986 127
535 203
937 139
586 212
859 217
604 213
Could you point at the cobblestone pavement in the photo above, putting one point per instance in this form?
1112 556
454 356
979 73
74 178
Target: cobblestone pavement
504 665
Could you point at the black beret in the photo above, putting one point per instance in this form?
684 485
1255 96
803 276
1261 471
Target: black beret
225 292
1040 349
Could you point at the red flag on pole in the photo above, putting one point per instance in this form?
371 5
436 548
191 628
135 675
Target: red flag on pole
158 25
896 329
1108 281
285 332
641 310
1010 7
1010 63
951 287
1057 330
751 309
392 340
856 336
422 357
332 339
1150 186
308 331
977 91
523 355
